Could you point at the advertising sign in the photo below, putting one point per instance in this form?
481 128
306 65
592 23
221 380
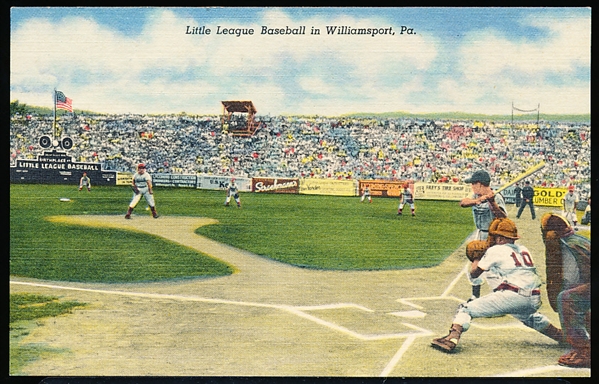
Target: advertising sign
549 197
54 167
220 182
327 187
442 191
275 185
174 180
382 188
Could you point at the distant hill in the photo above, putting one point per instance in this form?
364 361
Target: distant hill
583 118
22 108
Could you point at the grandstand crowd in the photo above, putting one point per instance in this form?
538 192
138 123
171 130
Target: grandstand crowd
340 148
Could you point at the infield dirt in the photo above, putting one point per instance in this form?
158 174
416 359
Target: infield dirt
271 319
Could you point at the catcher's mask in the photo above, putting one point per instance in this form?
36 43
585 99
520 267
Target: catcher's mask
553 222
506 228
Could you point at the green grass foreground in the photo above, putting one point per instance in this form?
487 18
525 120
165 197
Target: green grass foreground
324 232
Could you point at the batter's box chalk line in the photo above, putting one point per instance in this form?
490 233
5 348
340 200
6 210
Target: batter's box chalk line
300 311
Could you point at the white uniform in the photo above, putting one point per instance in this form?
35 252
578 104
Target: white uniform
233 191
366 195
407 197
570 201
510 272
85 182
141 182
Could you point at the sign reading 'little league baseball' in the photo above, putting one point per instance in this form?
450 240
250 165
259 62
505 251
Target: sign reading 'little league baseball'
58 168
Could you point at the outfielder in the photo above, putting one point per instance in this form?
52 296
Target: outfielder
486 206
85 182
142 186
406 197
366 194
514 280
568 264
570 202
232 191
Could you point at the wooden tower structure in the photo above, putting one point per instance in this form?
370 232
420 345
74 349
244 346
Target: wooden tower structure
238 118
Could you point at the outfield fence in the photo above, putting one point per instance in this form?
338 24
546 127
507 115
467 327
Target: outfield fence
55 167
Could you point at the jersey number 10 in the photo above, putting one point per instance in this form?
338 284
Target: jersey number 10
526 259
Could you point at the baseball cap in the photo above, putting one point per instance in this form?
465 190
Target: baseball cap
571 188
479 176
141 165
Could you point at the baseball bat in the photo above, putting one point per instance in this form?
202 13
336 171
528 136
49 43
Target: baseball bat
530 171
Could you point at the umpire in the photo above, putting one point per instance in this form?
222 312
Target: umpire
518 194
528 194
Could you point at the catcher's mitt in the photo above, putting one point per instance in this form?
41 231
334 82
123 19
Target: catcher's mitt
135 189
476 249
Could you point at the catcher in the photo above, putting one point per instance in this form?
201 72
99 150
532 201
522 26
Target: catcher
513 277
568 266
141 185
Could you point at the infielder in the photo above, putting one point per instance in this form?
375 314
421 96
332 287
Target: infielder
406 197
514 280
142 186
366 194
85 182
486 206
568 265
570 202
232 191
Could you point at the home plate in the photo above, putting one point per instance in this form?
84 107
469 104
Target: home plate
408 314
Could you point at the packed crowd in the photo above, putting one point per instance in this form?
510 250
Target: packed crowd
340 148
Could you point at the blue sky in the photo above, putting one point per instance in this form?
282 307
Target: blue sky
141 60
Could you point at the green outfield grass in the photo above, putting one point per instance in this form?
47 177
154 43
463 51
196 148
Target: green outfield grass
323 232
341 233
55 251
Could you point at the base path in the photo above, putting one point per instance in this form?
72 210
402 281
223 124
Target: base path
272 319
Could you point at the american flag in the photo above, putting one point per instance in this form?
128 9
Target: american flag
63 102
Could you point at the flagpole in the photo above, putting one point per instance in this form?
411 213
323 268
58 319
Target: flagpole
54 108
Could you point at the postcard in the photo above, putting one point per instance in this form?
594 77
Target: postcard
300 192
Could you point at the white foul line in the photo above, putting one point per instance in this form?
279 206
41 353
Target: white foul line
455 281
398 355
298 311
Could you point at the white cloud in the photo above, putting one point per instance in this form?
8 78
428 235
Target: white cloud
104 70
487 53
